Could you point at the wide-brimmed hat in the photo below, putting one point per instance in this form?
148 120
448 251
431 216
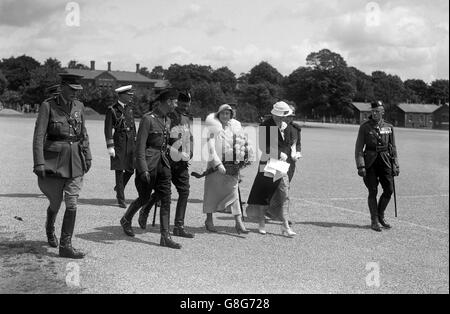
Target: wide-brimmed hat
281 109
223 108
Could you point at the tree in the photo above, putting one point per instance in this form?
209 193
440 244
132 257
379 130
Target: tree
264 72
11 98
416 90
42 78
3 82
18 71
74 64
363 86
439 91
325 60
158 73
388 88
226 79
325 87
186 76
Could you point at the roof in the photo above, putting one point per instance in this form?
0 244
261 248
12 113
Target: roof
124 76
418 108
362 106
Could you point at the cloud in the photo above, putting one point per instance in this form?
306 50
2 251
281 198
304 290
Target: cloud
23 13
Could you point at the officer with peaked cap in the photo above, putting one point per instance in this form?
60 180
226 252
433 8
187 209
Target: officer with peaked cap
153 165
62 157
376 160
120 135
181 151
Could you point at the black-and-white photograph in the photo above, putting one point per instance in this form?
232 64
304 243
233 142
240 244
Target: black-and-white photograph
224 152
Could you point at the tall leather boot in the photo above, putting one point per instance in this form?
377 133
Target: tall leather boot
125 221
373 207
166 240
120 194
180 213
50 228
65 246
382 204
145 210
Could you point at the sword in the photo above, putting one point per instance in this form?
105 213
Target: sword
154 213
395 197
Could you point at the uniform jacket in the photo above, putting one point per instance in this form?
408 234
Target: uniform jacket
120 133
60 141
152 142
375 140
180 135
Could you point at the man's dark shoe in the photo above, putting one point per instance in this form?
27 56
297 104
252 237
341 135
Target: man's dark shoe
181 232
375 226
126 225
384 223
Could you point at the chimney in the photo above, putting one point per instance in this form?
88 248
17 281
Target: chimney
137 67
109 66
92 65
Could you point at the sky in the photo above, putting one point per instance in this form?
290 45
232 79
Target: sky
409 38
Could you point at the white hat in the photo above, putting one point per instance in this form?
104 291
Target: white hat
123 89
281 109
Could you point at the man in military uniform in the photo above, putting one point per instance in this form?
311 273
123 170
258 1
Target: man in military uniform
121 142
181 151
61 157
376 160
153 165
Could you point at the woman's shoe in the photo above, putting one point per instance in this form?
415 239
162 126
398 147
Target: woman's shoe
287 231
262 231
210 227
240 229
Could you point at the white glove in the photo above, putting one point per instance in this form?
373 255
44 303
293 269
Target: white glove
112 152
283 157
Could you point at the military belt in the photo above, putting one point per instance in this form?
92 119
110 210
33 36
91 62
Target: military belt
64 138
377 149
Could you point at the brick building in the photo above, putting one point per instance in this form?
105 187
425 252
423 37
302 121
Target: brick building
112 79
416 115
361 111
441 117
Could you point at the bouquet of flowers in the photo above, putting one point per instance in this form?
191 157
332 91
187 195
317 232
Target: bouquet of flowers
242 155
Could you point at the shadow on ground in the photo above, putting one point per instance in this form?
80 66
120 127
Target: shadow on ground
333 225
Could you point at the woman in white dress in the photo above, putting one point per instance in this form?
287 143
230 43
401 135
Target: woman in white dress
221 186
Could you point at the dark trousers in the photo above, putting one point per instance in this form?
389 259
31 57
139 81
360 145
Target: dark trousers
160 183
122 178
381 173
180 178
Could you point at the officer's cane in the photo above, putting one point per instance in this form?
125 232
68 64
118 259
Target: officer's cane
393 178
395 197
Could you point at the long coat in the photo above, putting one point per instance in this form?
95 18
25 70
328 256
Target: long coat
375 140
60 141
263 187
121 120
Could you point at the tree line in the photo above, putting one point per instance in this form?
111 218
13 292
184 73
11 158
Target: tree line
322 88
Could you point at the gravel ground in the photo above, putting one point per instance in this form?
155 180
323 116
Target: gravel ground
330 254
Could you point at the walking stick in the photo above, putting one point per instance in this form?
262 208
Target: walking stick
395 197
391 153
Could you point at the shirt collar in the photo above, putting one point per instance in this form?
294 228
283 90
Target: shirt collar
121 103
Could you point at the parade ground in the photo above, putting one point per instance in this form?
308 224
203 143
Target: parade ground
334 251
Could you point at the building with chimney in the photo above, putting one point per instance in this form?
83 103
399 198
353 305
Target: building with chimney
109 79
